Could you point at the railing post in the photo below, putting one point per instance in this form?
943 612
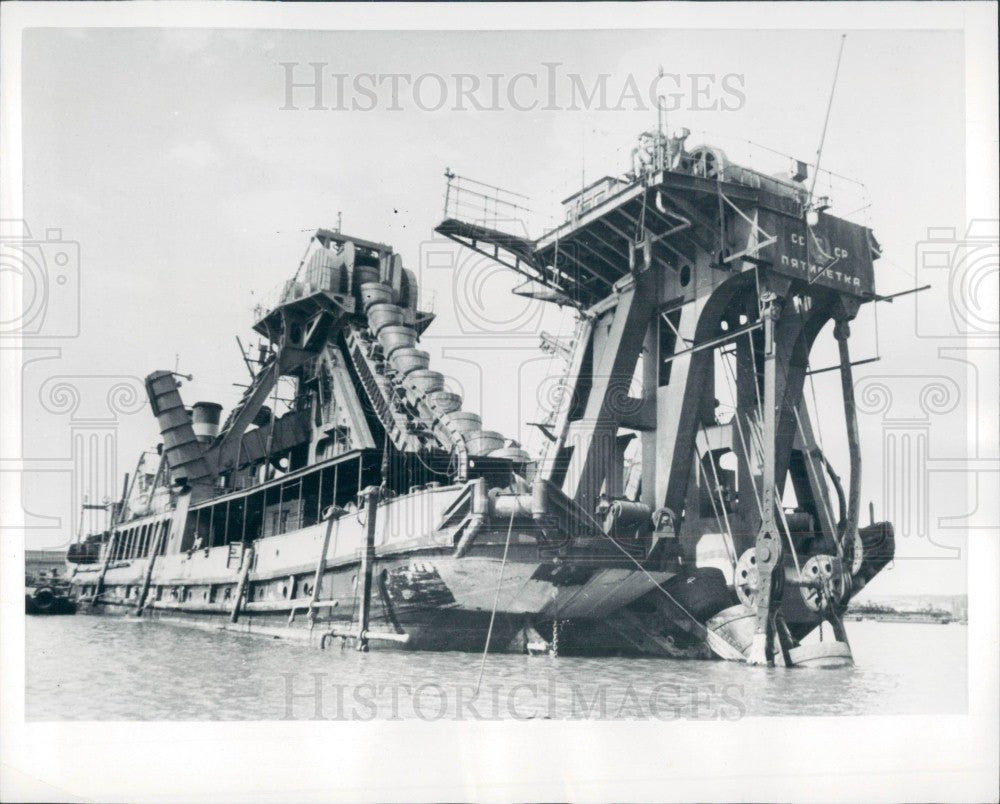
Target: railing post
367 566
321 566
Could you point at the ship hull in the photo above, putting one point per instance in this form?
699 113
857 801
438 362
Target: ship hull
426 600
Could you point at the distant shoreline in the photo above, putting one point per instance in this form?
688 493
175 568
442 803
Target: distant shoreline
905 617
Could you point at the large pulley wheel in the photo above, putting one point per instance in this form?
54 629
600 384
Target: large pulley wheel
823 580
707 163
746 578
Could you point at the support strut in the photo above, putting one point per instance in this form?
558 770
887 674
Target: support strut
768 548
842 332
372 494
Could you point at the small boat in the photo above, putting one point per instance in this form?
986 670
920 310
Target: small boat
48 594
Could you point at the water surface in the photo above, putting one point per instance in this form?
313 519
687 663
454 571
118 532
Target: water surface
109 668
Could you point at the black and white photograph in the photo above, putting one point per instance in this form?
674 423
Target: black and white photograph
499 402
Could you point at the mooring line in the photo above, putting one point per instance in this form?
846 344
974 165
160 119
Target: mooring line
496 602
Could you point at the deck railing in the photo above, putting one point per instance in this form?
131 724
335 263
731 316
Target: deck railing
492 207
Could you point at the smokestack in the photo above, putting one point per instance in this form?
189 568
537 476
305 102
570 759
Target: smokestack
185 456
205 418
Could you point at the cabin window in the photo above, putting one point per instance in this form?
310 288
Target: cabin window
234 523
165 537
254 523
284 509
310 499
190 525
220 514
154 537
328 488
204 533
292 504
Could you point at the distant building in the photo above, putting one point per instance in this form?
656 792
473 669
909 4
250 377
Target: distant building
37 562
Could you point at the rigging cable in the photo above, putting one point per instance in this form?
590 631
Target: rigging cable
496 602
826 120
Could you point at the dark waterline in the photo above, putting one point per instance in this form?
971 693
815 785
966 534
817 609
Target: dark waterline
110 668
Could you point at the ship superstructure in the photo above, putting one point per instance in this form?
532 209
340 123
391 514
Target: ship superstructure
373 508
697 280
659 521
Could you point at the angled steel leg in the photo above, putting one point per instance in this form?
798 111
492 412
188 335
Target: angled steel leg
768 547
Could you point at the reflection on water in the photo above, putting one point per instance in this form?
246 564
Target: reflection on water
106 668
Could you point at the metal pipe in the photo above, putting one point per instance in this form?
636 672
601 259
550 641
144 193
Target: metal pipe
715 341
109 550
148 577
321 566
842 332
241 587
768 549
372 494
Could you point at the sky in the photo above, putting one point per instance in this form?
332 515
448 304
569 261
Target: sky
168 157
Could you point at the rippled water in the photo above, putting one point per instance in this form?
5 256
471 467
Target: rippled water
107 668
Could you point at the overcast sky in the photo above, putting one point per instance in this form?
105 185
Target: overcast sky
168 157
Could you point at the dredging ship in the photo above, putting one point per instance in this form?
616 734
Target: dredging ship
377 511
